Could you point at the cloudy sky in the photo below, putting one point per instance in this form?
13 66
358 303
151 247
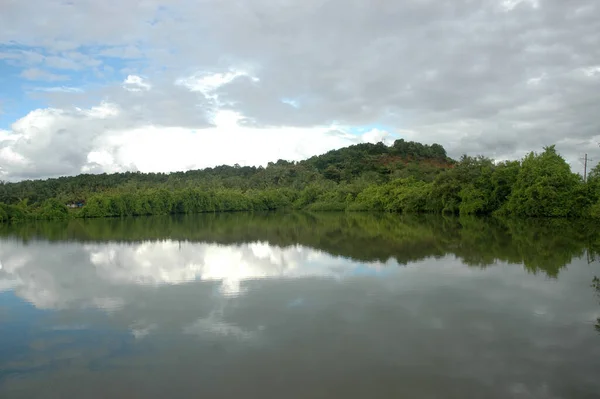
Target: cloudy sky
163 85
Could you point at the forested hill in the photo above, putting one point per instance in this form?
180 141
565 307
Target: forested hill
405 177
362 162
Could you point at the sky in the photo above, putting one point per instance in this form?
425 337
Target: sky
164 85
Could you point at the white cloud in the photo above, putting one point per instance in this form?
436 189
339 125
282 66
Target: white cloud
10 157
208 83
227 143
49 142
39 74
136 83
60 89
375 136
592 71
509 5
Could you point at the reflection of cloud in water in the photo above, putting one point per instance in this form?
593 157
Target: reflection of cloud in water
108 304
437 317
174 263
8 284
8 279
139 330
72 275
213 326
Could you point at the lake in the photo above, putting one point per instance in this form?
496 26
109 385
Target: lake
296 305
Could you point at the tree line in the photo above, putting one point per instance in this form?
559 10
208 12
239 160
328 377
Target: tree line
406 177
362 162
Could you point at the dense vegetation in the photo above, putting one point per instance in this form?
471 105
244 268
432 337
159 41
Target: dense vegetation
406 177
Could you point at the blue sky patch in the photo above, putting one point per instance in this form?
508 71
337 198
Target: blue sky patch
367 128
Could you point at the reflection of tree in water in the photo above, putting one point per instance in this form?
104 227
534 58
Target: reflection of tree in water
541 245
596 286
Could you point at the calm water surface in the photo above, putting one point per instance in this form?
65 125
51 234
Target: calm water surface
299 306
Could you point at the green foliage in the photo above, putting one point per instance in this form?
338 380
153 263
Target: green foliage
412 197
503 179
545 186
53 209
592 193
371 162
406 177
464 189
14 213
418 150
444 196
473 200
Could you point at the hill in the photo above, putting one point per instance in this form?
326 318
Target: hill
371 162
404 177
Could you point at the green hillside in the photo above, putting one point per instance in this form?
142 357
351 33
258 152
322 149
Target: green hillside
367 161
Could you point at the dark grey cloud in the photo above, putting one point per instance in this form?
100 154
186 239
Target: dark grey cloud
476 65
161 103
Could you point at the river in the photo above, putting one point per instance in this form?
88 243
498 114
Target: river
295 305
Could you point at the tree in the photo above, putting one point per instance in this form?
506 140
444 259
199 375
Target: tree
332 173
54 209
544 186
503 179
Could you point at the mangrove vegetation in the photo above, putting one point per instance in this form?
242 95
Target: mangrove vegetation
406 177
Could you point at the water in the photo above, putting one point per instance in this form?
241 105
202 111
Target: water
299 306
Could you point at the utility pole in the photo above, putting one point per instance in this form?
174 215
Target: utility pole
585 169
585 160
